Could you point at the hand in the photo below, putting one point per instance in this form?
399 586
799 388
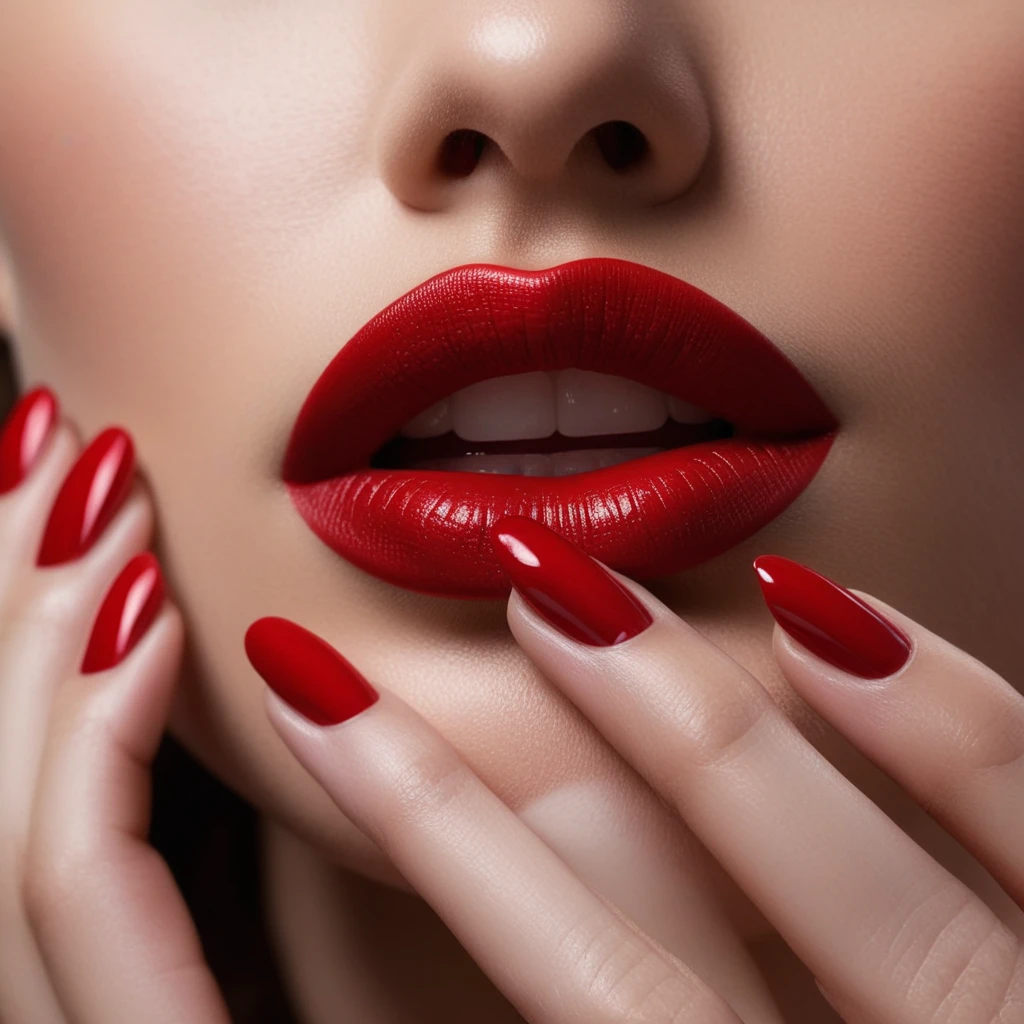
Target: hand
92 927
891 936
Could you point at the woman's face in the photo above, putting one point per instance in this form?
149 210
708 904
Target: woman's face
201 202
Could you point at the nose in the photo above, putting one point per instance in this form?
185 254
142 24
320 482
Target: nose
596 100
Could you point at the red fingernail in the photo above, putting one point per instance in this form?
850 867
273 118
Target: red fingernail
564 585
94 490
830 621
127 612
307 672
24 435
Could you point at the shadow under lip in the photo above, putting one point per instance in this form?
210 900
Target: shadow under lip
401 452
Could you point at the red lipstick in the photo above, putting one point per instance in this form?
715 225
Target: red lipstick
427 530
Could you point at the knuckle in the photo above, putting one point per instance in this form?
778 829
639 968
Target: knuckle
989 749
50 884
1011 1005
12 859
622 977
50 605
646 990
961 963
428 783
719 729
43 896
974 984
996 743
675 1001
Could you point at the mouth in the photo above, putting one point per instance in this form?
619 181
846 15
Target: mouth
623 407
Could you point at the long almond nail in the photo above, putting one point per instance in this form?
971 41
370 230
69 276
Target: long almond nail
307 672
829 621
128 610
93 491
565 586
24 434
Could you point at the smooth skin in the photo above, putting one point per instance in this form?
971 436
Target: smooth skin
93 929
202 200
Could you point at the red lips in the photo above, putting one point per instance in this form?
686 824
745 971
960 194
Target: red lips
427 530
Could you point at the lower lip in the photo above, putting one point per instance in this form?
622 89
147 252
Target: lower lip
426 530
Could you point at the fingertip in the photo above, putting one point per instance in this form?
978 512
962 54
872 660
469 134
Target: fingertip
130 607
262 634
307 672
770 569
35 486
25 433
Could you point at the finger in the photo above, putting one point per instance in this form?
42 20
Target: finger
45 630
556 950
111 924
943 725
25 434
619 838
37 449
45 617
869 912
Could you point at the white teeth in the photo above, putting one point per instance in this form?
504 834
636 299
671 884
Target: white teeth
555 464
432 422
599 403
569 463
505 408
686 412
576 403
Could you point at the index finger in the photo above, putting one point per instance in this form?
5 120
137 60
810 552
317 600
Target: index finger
553 947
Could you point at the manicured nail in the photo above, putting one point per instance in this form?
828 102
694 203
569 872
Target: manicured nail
93 491
306 672
565 586
128 610
24 434
829 621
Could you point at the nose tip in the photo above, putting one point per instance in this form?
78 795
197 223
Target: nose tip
603 103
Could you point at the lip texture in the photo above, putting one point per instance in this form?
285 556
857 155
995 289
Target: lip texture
427 530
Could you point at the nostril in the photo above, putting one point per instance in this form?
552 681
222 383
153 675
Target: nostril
461 152
621 143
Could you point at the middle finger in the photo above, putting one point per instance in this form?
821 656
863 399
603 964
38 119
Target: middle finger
863 905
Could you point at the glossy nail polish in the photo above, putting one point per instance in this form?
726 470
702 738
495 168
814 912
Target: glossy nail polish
565 586
128 610
93 491
306 672
829 621
24 435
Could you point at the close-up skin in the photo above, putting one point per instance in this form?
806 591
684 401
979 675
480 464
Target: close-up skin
814 221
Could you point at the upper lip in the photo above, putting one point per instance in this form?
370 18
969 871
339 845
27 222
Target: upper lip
481 321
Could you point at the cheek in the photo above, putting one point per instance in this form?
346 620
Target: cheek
873 205
879 213
157 171
185 205
886 184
